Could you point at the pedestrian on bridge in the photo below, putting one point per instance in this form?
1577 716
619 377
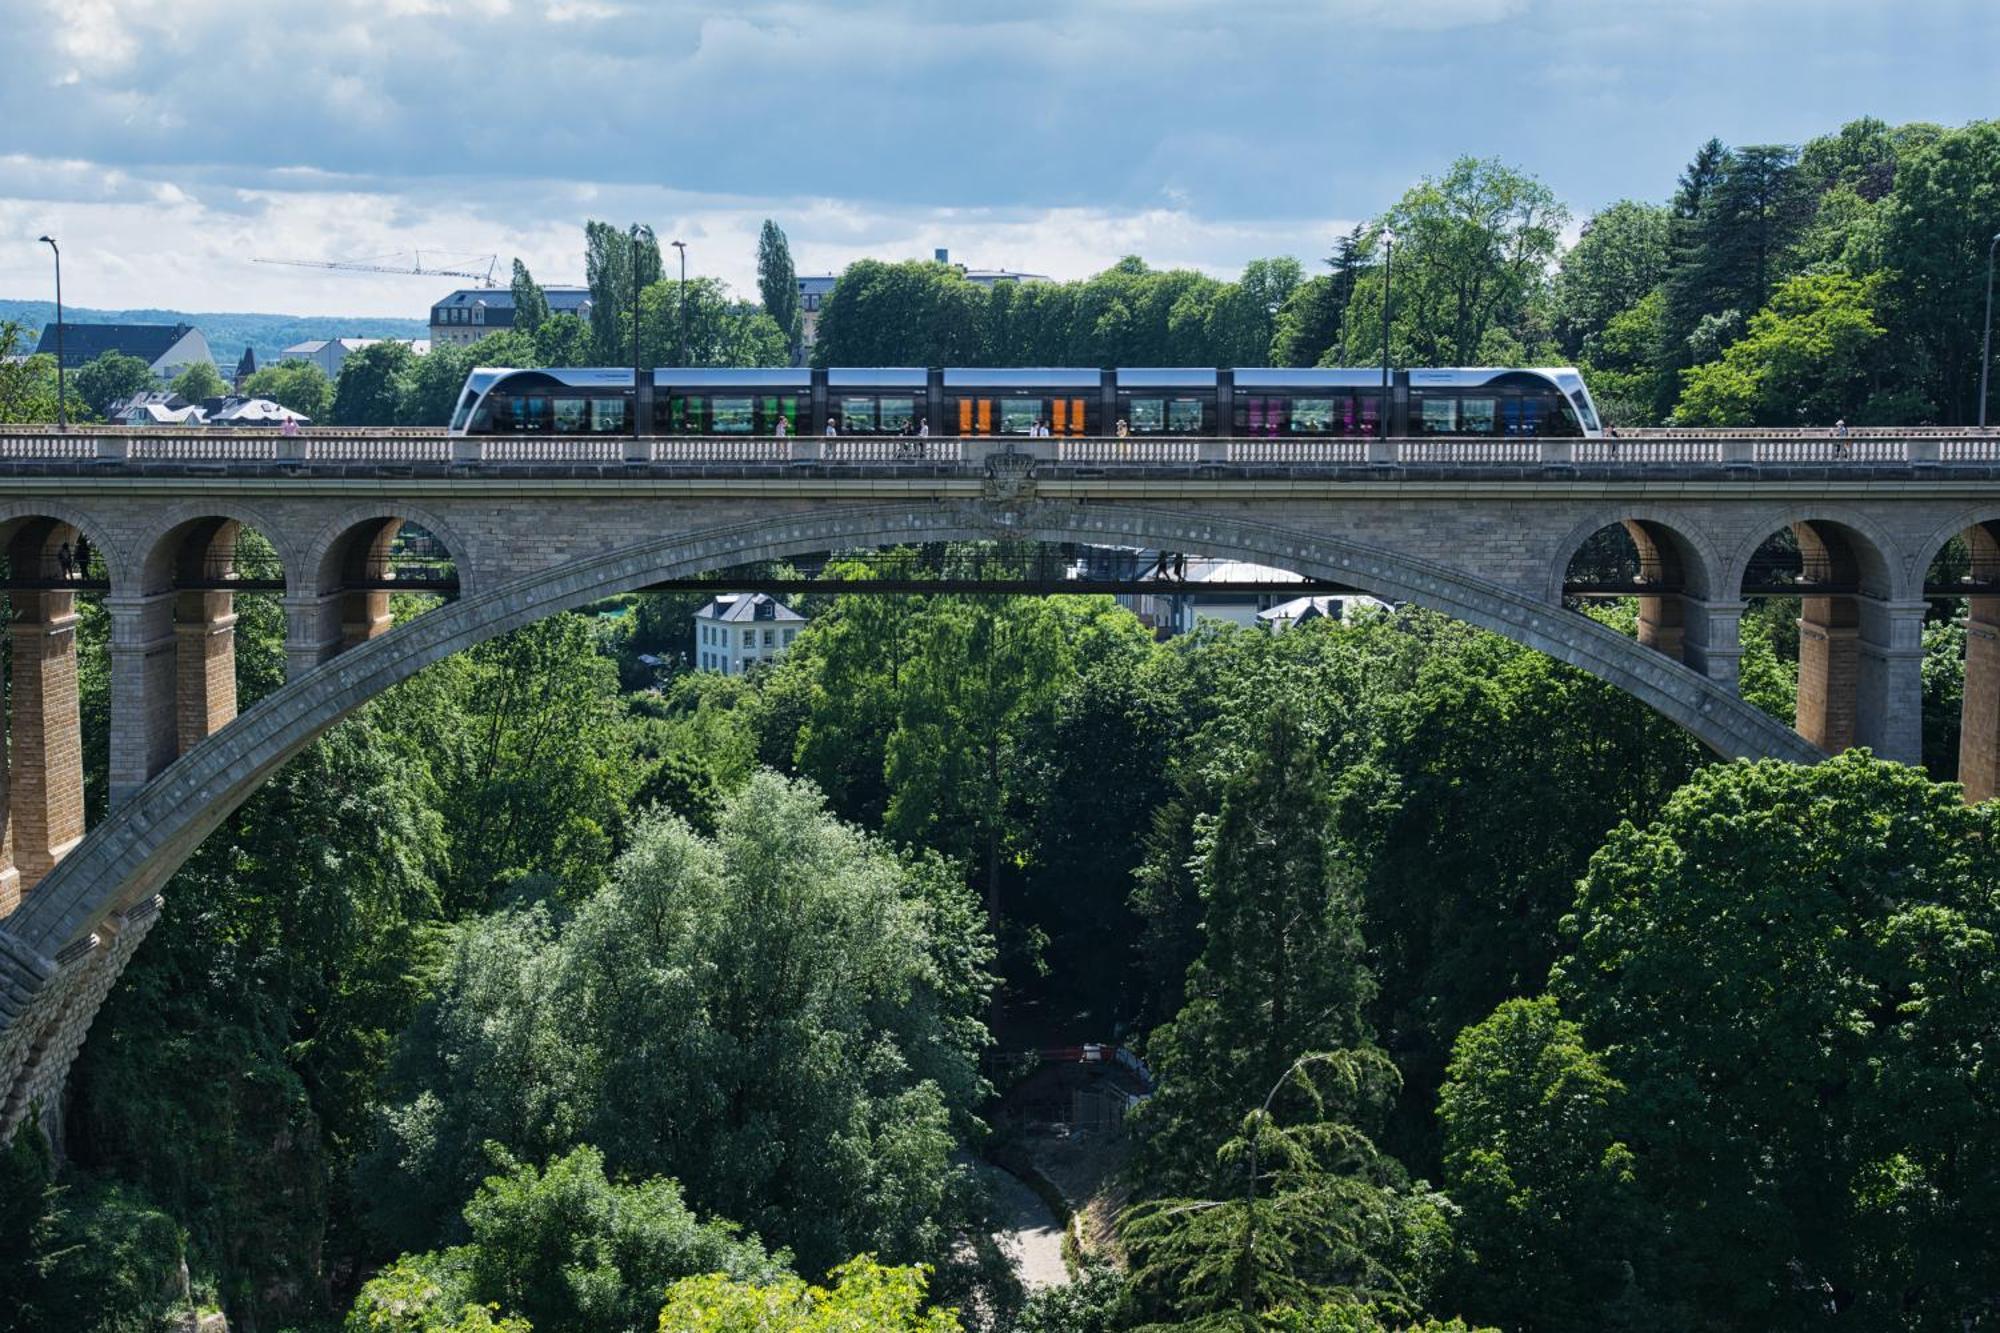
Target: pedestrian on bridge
65 561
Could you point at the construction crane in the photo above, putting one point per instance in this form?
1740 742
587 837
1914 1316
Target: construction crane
415 268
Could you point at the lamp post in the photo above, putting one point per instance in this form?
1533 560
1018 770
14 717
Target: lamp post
1388 268
62 392
1987 345
634 235
682 246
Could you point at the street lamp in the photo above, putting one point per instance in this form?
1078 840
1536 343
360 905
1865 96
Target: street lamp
682 246
1388 267
636 428
1987 347
62 392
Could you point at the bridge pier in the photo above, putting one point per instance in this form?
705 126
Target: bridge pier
1889 712
1979 729
143 666
312 630
1829 671
205 665
45 778
1710 638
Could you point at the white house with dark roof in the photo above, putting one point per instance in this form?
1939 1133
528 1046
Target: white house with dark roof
330 354
470 313
737 630
167 348
1330 606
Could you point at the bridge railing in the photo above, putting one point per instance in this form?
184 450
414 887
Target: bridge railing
102 446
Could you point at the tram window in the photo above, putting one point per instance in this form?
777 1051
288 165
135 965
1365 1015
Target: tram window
569 415
898 415
530 413
1312 416
774 410
1147 415
1477 416
1262 416
607 416
730 416
1019 415
1184 416
1439 416
857 416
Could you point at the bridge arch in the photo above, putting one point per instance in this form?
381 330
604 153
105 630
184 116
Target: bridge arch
1979 703
1880 562
1700 563
322 554
62 948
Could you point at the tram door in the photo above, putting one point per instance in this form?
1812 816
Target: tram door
975 416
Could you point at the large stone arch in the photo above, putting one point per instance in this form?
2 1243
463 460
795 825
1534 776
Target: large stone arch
1703 562
1883 566
117 556
134 850
1922 555
466 558
150 556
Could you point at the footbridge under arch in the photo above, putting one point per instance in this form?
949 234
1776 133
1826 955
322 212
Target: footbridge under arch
1491 540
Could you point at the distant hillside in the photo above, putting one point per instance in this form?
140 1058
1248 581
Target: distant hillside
227 334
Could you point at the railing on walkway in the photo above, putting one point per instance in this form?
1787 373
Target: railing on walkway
92 447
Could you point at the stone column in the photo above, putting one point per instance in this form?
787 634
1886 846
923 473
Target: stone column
143 738
364 615
1889 683
1710 638
205 666
1979 719
312 631
10 878
1829 670
45 787
1662 625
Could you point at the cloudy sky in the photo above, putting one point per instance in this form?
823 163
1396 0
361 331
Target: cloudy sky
167 144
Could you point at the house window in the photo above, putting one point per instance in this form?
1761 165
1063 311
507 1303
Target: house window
770 637
790 634
749 638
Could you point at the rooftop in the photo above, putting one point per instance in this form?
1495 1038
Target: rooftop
734 607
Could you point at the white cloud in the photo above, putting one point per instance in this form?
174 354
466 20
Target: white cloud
131 241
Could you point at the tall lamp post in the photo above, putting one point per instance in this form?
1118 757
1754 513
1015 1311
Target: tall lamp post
62 392
634 234
1388 268
1987 345
682 246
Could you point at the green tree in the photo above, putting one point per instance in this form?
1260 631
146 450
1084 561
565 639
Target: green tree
371 387
778 285
563 340
617 265
1300 1212
1551 1219
1806 358
1281 972
1620 257
565 1250
784 1019
1472 248
1937 222
299 385
531 303
27 382
1791 971
718 331
112 379
863 1295
908 314
200 381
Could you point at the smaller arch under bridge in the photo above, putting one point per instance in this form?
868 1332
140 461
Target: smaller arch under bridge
1495 542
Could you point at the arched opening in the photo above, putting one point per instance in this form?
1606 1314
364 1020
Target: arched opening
1962 661
1819 639
1641 576
57 683
373 575
204 638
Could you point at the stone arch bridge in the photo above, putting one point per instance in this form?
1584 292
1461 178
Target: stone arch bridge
1487 531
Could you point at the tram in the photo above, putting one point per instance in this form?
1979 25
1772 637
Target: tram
1057 401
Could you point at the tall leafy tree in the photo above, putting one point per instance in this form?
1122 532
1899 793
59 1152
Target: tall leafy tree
713 331
778 285
299 385
618 264
112 379
1793 972
1939 217
1472 249
201 380
784 1019
1807 359
1616 262
531 303
370 389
